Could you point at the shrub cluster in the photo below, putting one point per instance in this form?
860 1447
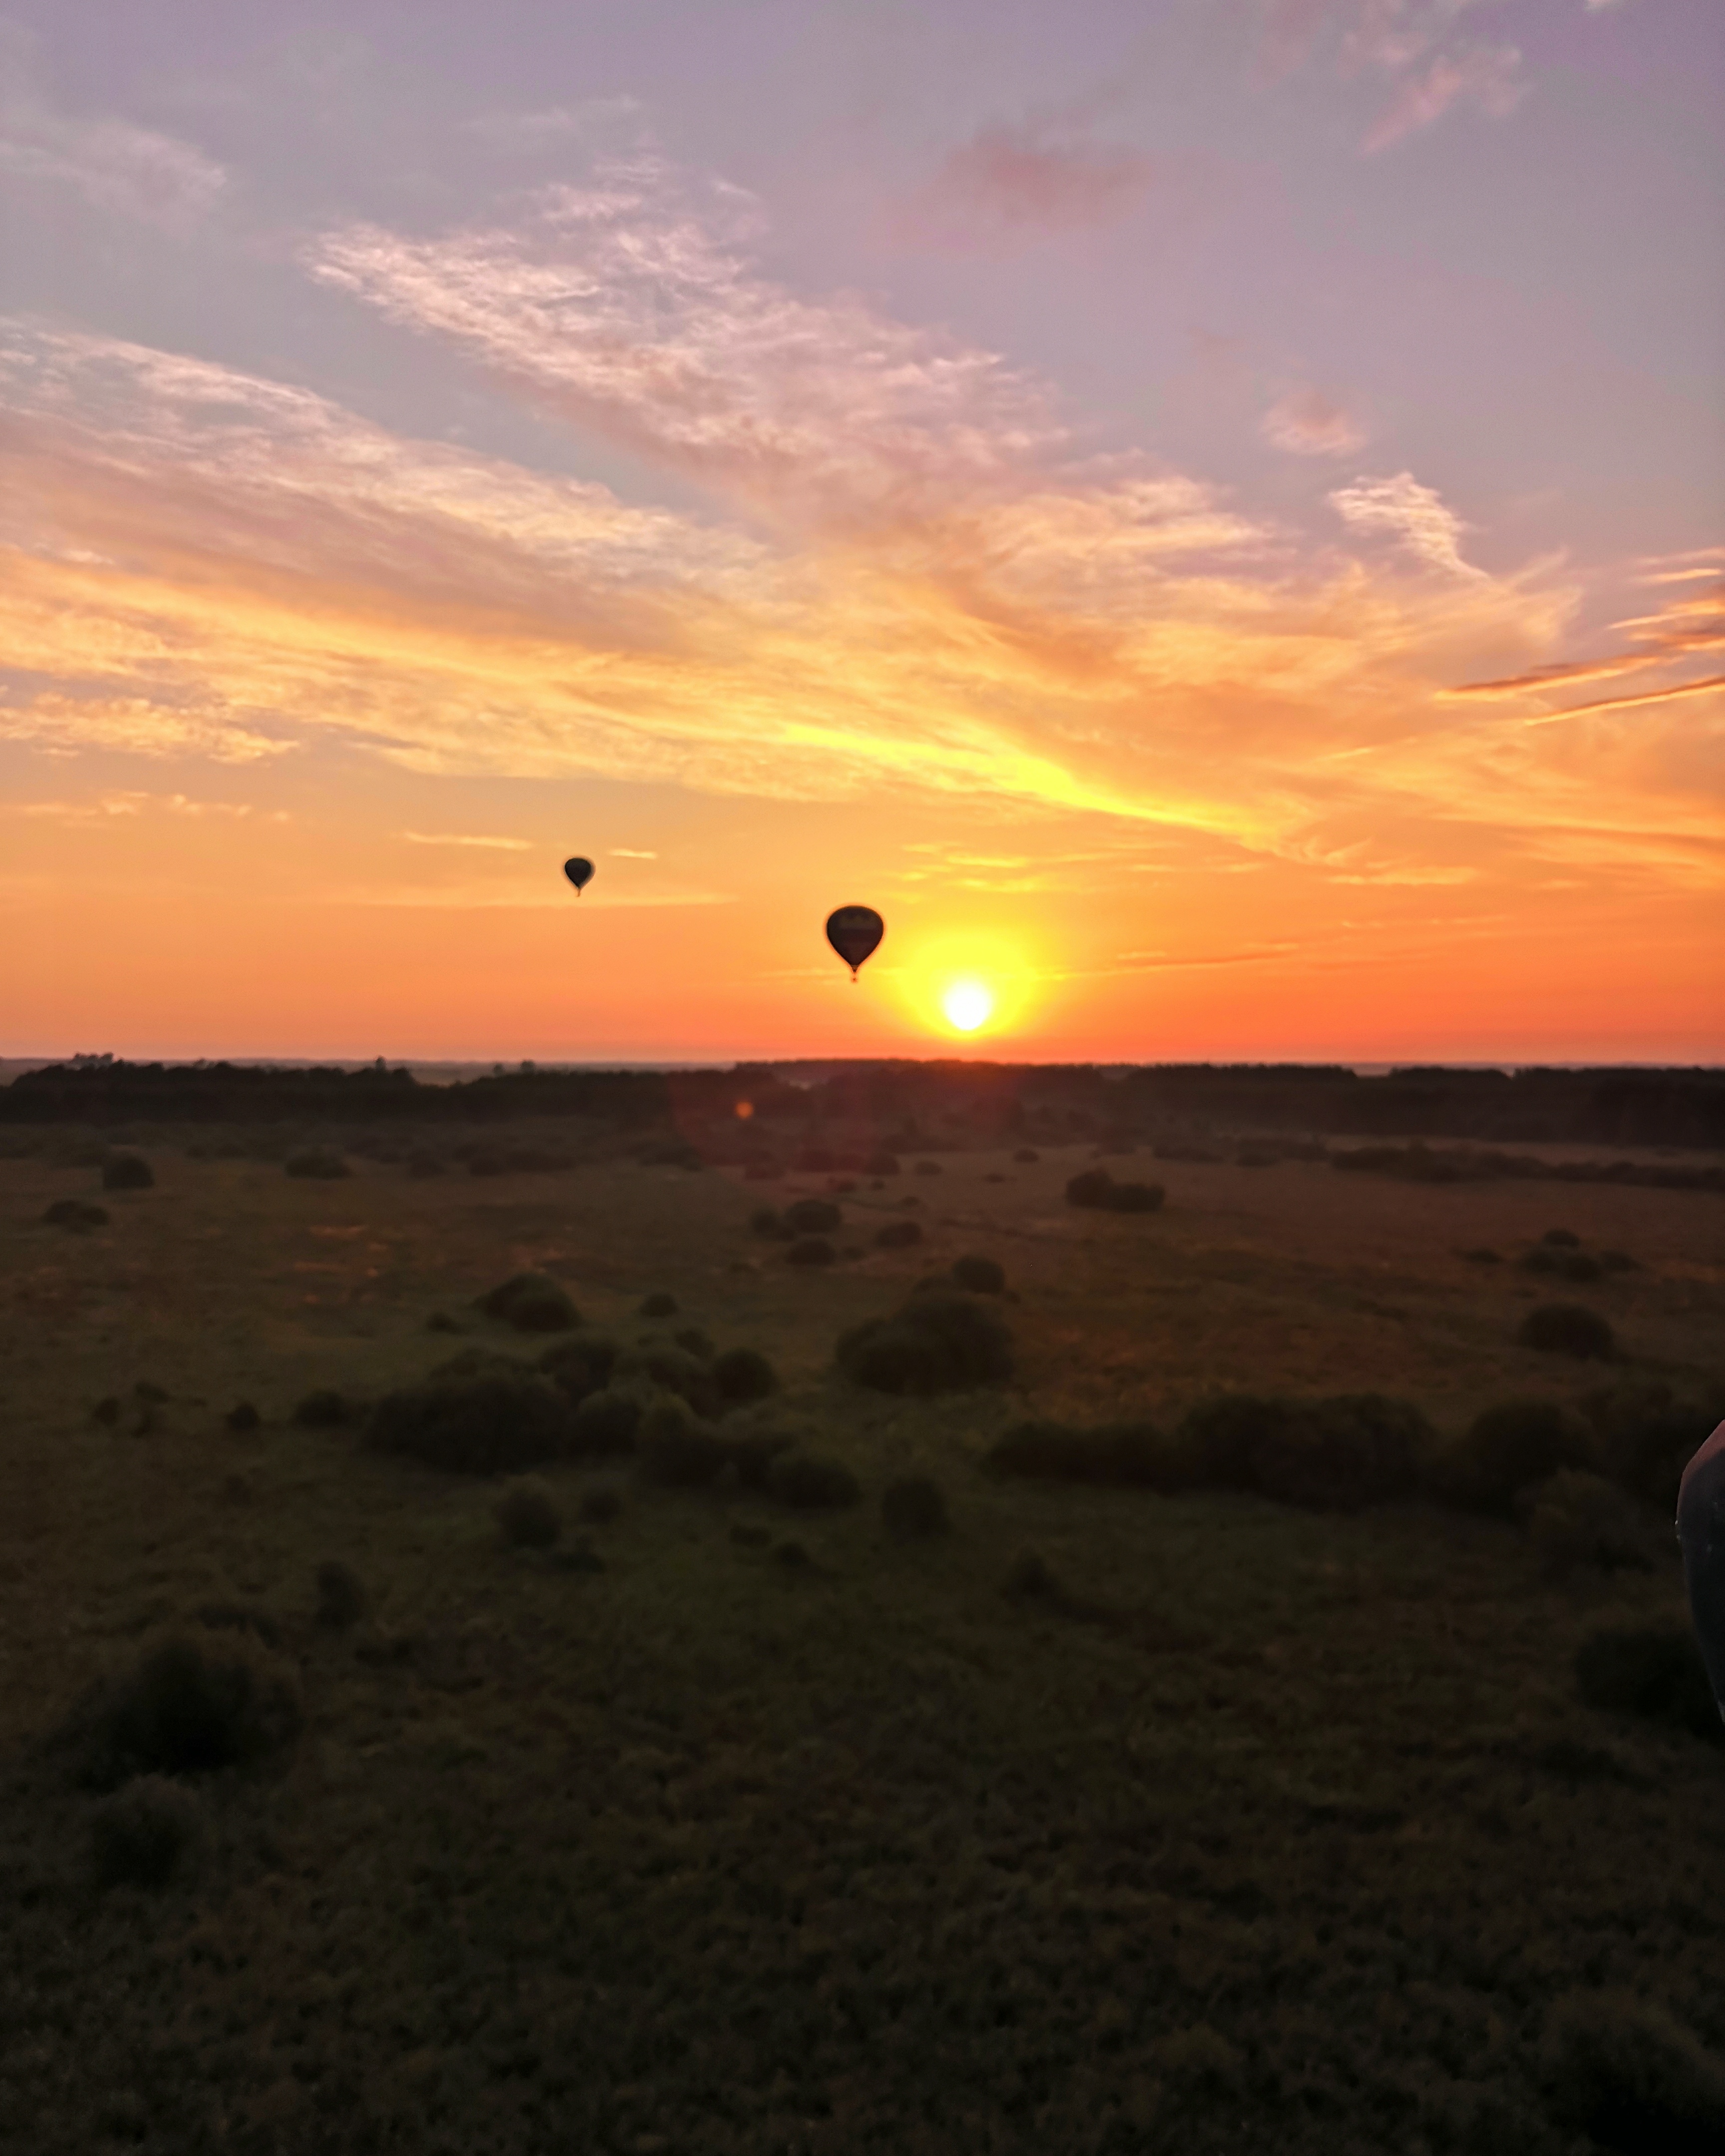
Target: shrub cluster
528 1514
981 1276
808 1482
196 1700
813 1216
937 1341
127 1171
1577 1519
1647 1435
531 1302
75 1213
580 1364
743 1375
490 1423
1625 2072
317 1163
1505 1449
1568 1328
1652 1670
1119 1455
915 1506
145 1832
1096 1191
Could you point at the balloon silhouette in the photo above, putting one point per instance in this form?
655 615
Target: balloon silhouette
853 932
579 873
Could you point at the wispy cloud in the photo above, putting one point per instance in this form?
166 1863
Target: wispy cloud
467 838
1414 516
631 854
114 164
1311 424
1013 181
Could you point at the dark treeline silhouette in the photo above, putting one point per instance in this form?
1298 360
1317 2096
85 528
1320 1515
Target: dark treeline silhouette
1675 1107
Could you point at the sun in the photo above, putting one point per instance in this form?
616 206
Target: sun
967 1005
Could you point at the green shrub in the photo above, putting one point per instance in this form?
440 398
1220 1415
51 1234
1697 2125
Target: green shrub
341 1598
580 1364
145 1832
658 1364
658 1304
743 1375
1575 1519
915 1506
529 1514
319 1164
600 1504
1118 1455
1647 1435
1505 1449
751 1452
1220 1438
495 1423
1564 1238
193 1702
1566 1329
1339 1453
74 1212
809 1483
1090 1189
937 1341
242 1416
676 1451
981 1276
531 1302
1624 2071
605 1423
810 1250
127 1171
324 1408
1652 1670
898 1235
813 1216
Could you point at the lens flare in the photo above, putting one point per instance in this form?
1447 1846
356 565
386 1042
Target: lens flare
966 1004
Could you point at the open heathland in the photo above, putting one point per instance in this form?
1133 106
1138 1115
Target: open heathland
788 1764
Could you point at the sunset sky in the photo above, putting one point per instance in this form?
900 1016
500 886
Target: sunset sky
1208 514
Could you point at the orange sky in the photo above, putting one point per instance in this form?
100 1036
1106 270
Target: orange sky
591 519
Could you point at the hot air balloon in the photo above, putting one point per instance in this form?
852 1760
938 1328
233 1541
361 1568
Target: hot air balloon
579 873
853 932
1700 1529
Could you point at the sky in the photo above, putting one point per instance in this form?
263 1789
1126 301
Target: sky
1208 515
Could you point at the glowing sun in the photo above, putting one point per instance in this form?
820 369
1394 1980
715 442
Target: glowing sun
966 1004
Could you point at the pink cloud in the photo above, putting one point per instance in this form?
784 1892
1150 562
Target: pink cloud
1006 183
1309 424
1486 77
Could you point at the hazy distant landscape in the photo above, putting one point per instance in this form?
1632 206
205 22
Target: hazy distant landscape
1166 1690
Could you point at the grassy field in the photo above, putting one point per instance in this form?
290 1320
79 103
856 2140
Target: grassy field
1286 1832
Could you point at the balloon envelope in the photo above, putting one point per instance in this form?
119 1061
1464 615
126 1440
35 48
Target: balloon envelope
853 932
579 872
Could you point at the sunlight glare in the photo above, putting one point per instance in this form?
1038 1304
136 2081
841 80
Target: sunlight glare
966 1004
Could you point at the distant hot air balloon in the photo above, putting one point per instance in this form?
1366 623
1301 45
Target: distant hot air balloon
579 873
853 932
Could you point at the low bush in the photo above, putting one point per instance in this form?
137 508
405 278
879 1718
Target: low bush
491 1424
694 1341
915 1506
809 1483
1618 1261
813 1216
531 1302
674 1450
1090 1189
75 1213
1577 1519
810 1250
317 1163
242 1416
658 1304
1564 1238
127 1171
605 1423
1505 1449
1481 1256
1627 2074
765 1220
658 1365
1136 1198
937 1341
1566 1329
981 1276
1565 1264
880 1163
146 1832
1027 1156
1647 1434
1096 1190
342 1598
1117 1456
528 1514
580 1364
599 1504
195 1701
323 1409
743 1376
1349 1450
898 1235
1655 1671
